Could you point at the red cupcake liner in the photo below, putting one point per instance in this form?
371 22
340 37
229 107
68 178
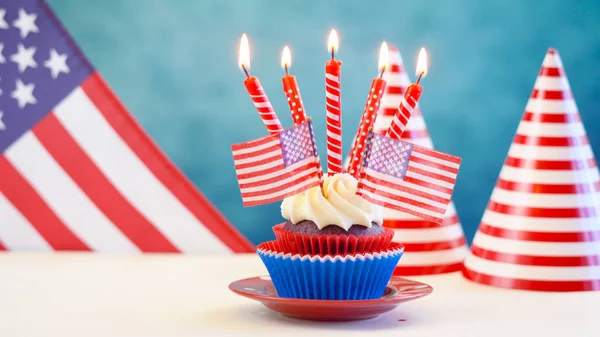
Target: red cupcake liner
331 244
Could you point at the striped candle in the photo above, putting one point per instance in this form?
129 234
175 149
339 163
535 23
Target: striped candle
256 92
369 114
409 101
333 108
262 104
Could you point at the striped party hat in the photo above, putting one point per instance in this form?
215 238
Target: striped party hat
541 228
430 248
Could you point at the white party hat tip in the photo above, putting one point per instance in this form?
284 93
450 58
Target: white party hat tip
541 229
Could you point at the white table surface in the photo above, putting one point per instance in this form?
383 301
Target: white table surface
89 295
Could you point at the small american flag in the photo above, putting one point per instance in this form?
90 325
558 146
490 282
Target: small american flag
76 170
407 177
274 167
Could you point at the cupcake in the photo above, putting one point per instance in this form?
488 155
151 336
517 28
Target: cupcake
332 246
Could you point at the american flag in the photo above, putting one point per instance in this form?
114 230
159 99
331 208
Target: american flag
76 170
407 177
274 167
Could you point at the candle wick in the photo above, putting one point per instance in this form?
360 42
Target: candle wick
419 78
245 71
382 71
286 70
332 53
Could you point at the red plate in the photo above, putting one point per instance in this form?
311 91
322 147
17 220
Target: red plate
398 290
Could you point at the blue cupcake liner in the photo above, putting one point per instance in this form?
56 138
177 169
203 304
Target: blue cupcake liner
349 277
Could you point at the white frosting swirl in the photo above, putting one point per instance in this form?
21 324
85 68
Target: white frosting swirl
337 205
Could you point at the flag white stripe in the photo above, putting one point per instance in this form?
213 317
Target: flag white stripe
65 198
530 176
255 148
551 129
16 232
275 162
275 153
549 225
443 233
545 200
438 257
400 193
282 173
425 189
537 152
132 177
419 154
282 192
551 106
522 247
511 270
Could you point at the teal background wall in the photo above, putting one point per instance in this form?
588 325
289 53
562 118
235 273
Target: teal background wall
174 64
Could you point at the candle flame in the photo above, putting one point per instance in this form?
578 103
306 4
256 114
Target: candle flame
383 56
422 63
244 56
333 41
286 57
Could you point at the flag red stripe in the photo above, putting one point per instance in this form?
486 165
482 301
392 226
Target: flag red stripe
523 284
274 157
551 72
419 224
283 174
432 164
267 201
367 197
427 270
532 260
77 164
436 154
405 200
551 118
254 153
433 246
256 142
28 202
551 94
583 236
2 248
404 188
550 164
266 171
548 188
538 212
164 170
429 174
275 189
551 141
395 90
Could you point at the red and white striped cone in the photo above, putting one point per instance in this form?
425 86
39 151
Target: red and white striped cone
541 228
430 248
